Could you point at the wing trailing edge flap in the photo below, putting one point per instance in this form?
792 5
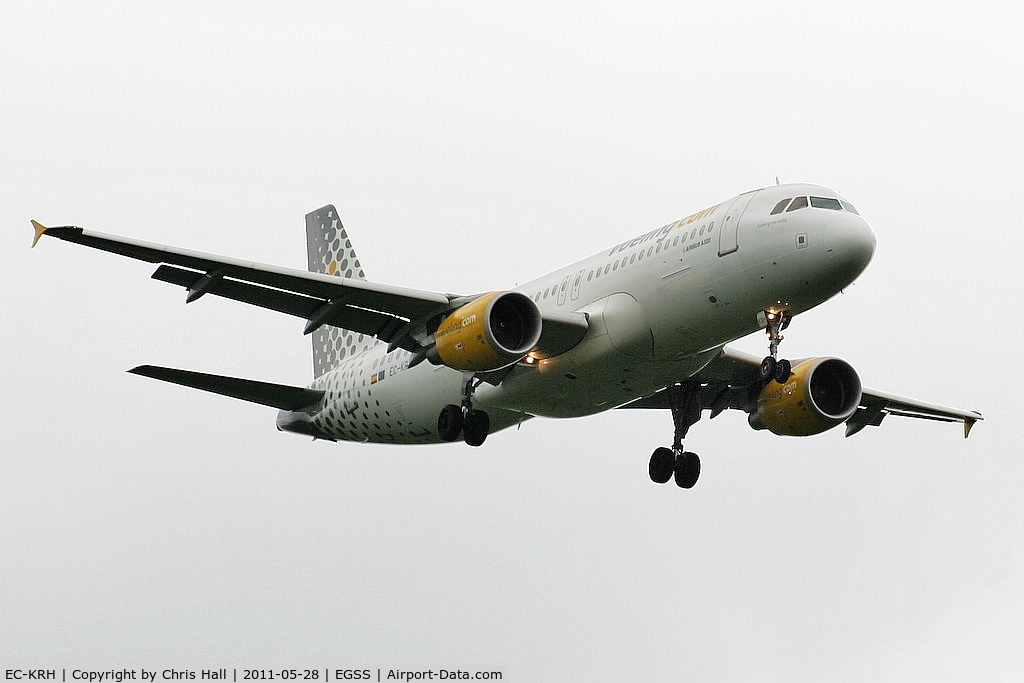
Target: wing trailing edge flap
279 396
385 311
379 324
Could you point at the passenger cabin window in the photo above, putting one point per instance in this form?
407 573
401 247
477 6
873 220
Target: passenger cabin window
780 207
826 203
798 203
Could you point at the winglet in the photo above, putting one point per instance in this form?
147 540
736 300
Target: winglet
40 229
967 427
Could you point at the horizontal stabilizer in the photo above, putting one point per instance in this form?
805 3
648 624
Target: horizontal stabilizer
279 396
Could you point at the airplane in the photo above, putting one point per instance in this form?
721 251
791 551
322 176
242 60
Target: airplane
643 324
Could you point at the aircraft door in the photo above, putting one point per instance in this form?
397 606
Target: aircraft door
563 289
577 281
728 233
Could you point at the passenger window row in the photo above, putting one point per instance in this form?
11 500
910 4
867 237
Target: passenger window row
635 257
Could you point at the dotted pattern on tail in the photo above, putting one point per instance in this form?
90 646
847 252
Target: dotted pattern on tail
330 251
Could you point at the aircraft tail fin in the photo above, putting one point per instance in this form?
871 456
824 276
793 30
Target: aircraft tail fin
330 251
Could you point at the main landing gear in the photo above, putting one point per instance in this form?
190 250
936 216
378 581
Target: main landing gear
685 402
668 463
473 425
771 366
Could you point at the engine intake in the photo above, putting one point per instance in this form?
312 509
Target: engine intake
820 394
488 333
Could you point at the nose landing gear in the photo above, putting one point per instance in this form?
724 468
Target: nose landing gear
771 366
473 425
668 463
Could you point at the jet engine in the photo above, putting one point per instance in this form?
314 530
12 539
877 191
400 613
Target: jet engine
819 394
488 333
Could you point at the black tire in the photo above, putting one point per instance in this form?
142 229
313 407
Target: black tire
477 425
450 423
783 369
663 462
768 366
687 470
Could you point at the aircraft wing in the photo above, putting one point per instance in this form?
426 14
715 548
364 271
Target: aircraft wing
726 379
393 314
875 405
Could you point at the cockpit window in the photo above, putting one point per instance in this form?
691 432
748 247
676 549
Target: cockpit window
790 204
798 203
826 203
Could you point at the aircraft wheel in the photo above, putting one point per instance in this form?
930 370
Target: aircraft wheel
476 427
768 366
663 460
783 369
449 423
687 470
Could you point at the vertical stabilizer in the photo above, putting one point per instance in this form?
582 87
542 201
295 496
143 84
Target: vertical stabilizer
330 251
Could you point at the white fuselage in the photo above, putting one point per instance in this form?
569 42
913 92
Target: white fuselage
660 306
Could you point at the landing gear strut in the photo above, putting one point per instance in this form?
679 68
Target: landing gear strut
771 366
666 463
473 425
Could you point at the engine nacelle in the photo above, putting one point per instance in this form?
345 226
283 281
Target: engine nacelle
488 333
820 394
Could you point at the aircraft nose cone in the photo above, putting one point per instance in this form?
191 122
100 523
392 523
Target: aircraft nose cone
851 244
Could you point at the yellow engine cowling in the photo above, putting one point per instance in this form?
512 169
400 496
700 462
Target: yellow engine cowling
488 333
819 394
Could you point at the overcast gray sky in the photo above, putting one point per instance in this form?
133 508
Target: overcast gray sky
470 147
